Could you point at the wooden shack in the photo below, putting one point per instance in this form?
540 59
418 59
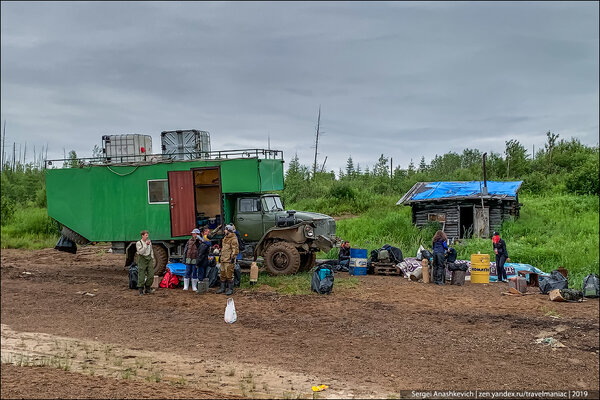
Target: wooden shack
463 209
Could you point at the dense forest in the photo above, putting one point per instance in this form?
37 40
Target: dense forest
560 167
558 223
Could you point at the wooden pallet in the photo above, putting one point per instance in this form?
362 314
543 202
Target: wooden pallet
385 269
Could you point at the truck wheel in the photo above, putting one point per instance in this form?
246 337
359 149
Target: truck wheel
307 261
282 258
73 236
160 259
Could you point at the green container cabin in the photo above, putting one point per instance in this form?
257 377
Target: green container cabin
114 202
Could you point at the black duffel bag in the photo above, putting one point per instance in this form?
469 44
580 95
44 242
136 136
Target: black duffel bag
555 281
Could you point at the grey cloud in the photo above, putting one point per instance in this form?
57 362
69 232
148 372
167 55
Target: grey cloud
404 79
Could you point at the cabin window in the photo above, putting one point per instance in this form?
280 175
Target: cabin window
158 191
248 205
436 217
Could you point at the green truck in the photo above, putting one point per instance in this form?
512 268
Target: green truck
96 200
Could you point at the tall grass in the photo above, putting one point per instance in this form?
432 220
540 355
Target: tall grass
30 228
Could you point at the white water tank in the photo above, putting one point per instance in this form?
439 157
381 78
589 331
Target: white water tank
126 148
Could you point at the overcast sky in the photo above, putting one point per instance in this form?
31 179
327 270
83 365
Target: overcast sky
400 78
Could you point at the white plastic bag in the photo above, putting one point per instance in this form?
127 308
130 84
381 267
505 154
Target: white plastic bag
230 314
419 255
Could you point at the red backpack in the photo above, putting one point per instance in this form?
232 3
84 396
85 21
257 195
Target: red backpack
169 281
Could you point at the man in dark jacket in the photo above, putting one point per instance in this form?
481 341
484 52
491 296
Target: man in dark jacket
501 256
344 254
203 252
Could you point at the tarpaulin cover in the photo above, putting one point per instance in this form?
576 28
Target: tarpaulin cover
444 190
177 268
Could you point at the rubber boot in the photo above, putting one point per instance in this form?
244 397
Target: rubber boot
186 283
149 290
221 287
195 285
229 291
204 284
141 291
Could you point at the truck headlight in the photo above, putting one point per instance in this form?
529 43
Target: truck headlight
309 231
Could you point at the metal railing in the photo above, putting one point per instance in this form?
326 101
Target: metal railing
143 159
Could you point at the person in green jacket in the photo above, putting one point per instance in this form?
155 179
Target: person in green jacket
145 262
229 252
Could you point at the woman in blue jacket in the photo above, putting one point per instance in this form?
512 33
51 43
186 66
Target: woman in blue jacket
440 246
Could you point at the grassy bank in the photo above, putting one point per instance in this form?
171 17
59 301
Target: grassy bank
29 228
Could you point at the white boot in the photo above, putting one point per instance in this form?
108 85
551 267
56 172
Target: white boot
195 285
186 283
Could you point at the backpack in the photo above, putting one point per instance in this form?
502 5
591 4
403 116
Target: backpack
555 281
322 280
383 256
451 257
394 252
426 254
374 255
169 281
212 273
133 276
590 286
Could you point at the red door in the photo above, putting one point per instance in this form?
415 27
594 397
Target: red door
181 202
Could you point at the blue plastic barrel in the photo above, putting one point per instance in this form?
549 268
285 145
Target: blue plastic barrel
358 262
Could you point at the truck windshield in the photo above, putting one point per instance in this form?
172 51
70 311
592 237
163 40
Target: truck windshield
272 203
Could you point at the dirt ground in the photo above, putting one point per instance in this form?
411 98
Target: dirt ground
72 327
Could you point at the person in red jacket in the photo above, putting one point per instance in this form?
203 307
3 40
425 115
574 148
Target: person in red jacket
501 256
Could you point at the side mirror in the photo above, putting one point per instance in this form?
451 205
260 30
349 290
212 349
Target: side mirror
283 204
258 206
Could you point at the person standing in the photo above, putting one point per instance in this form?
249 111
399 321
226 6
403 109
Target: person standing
440 246
501 256
203 251
229 252
344 254
145 256
190 252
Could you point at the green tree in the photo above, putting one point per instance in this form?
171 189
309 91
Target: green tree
516 159
422 165
350 167
381 169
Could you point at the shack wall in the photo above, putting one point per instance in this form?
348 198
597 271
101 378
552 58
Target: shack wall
499 211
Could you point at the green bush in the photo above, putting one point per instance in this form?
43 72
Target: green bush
7 210
585 179
341 191
30 228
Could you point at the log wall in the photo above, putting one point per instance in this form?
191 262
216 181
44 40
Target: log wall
499 211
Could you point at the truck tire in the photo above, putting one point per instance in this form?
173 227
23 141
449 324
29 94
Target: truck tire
73 236
282 258
160 259
307 261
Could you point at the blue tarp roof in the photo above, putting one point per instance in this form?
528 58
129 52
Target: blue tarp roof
424 191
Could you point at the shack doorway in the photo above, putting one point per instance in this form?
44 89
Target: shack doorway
207 191
466 221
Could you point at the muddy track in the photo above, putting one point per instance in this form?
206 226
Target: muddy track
386 335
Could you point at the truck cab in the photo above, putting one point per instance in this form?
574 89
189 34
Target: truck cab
287 240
